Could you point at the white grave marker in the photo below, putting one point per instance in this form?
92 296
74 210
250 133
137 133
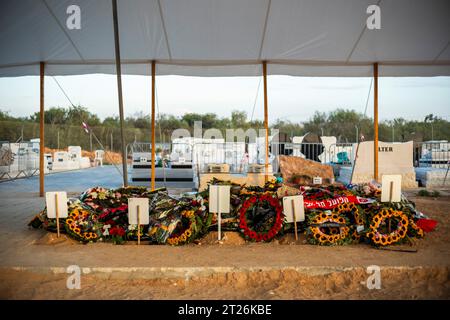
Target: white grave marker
391 188
219 202
56 206
138 213
294 211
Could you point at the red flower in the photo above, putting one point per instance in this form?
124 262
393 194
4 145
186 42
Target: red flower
117 231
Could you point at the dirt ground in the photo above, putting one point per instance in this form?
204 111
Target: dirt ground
404 275
414 283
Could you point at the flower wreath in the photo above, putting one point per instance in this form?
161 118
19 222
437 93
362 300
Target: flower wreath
379 221
270 224
81 224
351 211
184 234
414 230
320 233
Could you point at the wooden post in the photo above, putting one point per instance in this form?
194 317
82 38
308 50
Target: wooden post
138 225
391 187
219 218
375 122
41 131
266 123
119 89
295 220
153 127
57 214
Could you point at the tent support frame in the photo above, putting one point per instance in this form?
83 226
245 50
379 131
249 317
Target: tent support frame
119 89
266 123
41 129
375 121
153 127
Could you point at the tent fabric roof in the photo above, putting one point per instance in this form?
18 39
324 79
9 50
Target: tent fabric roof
227 38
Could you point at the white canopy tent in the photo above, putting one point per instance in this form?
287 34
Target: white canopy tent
225 38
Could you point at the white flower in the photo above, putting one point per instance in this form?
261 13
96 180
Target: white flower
106 228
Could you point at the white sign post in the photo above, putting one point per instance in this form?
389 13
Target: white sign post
56 206
138 213
294 211
317 180
219 202
391 188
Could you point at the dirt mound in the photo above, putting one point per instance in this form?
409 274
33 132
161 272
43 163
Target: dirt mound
396 283
109 158
229 238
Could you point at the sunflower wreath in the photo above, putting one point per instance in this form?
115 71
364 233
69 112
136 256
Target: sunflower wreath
352 213
379 232
261 217
414 230
328 229
185 230
82 224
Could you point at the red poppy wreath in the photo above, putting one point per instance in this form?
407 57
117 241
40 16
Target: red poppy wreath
261 218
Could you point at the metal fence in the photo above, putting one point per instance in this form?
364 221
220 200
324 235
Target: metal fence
239 155
18 159
433 154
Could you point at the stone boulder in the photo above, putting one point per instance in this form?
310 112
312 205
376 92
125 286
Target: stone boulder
296 170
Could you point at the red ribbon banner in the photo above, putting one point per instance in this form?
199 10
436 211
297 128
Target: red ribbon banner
334 202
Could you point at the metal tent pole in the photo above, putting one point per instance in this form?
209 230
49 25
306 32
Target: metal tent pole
375 121
266 123
153 127
119 89
41 130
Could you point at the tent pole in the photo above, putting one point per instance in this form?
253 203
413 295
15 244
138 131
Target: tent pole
266 123
153 126
119 89
41 130
375 121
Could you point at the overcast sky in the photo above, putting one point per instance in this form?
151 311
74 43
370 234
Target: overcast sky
292 98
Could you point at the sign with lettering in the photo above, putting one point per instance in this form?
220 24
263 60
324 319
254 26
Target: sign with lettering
317 180
334 202
393 158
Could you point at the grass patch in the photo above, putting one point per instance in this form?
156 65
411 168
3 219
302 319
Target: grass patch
426 193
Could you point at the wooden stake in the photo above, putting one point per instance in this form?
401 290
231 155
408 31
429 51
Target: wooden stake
219 218
41 131
57 214
295 220
375 122
153 127
391 187
119 90
139 225
266 122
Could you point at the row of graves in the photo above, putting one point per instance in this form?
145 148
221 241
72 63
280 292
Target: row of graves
309 204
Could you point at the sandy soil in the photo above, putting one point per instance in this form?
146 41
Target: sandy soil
405 275
429 283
